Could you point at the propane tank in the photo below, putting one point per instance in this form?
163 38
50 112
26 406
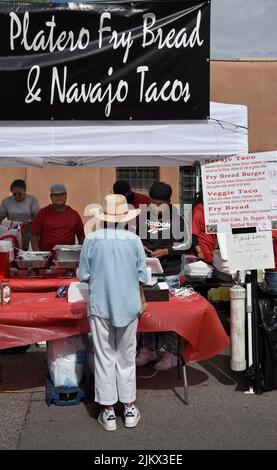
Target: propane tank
237 297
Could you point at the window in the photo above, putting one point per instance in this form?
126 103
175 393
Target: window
188 183
139 178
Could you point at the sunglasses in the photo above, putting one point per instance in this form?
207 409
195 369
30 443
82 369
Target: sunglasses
18 194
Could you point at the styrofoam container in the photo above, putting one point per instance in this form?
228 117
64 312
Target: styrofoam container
5 245
68 252
78 292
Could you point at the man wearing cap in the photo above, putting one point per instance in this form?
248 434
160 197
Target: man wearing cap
113 262
56 223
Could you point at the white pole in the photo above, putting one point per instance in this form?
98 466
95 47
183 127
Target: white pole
237 297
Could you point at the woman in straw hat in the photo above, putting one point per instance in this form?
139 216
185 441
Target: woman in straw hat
113 262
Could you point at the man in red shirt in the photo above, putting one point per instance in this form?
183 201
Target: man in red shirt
203 244
56 224
135 199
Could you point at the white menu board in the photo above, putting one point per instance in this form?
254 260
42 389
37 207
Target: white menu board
240 192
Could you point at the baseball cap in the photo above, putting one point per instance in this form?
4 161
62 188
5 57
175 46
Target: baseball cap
57 189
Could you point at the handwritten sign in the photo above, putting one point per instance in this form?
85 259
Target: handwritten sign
146 60
250 251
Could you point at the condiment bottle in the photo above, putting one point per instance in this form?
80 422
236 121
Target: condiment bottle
5 292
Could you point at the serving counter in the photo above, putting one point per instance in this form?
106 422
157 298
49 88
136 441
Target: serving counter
35 314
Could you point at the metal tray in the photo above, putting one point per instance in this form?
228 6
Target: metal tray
66 264
31 263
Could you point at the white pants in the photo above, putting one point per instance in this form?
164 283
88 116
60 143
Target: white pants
115 361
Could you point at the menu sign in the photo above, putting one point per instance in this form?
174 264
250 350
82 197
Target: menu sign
240 192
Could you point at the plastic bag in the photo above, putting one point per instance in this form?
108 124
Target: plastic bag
66 358
268 341
12 229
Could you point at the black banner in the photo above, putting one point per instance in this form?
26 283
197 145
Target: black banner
105 61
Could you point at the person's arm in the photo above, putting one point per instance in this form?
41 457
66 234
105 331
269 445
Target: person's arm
34 242
196 247
198 223
142 271
81 239
34 206
199 252
3 211
141 263
80 230
36 230
83 271
144 304
160 253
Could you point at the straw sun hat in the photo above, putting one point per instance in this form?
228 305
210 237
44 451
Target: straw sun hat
115 209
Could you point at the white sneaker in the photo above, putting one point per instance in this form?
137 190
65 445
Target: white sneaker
132 416
107 419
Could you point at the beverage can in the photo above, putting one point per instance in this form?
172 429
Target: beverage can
61 291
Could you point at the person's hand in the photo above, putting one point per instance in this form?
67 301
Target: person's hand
200 254
26 222
144 306
147 251
160 253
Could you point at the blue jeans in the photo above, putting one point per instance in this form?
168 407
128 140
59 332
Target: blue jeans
169 339
271 280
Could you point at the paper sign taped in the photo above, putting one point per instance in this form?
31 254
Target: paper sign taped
249 251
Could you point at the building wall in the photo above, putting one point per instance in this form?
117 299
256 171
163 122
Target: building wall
251 83
84 185
7 175
254 84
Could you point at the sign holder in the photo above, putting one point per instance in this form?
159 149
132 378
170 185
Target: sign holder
255 335
254 363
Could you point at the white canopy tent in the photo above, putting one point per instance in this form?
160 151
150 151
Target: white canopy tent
117 143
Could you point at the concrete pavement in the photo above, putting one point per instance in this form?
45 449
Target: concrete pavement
220 415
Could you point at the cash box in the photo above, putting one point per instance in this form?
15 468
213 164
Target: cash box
155 294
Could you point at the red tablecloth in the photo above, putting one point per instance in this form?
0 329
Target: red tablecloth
37 316
48 283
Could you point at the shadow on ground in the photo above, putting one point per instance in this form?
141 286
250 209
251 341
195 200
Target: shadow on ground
23 371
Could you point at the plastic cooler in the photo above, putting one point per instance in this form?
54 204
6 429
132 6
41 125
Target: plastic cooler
6 255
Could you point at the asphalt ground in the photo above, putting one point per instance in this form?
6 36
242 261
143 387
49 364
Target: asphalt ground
221 415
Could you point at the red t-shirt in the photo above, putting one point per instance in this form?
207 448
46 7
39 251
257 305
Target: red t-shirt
56 228
140 199
206 241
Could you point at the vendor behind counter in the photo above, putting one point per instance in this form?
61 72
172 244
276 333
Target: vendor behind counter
57 223
20 207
